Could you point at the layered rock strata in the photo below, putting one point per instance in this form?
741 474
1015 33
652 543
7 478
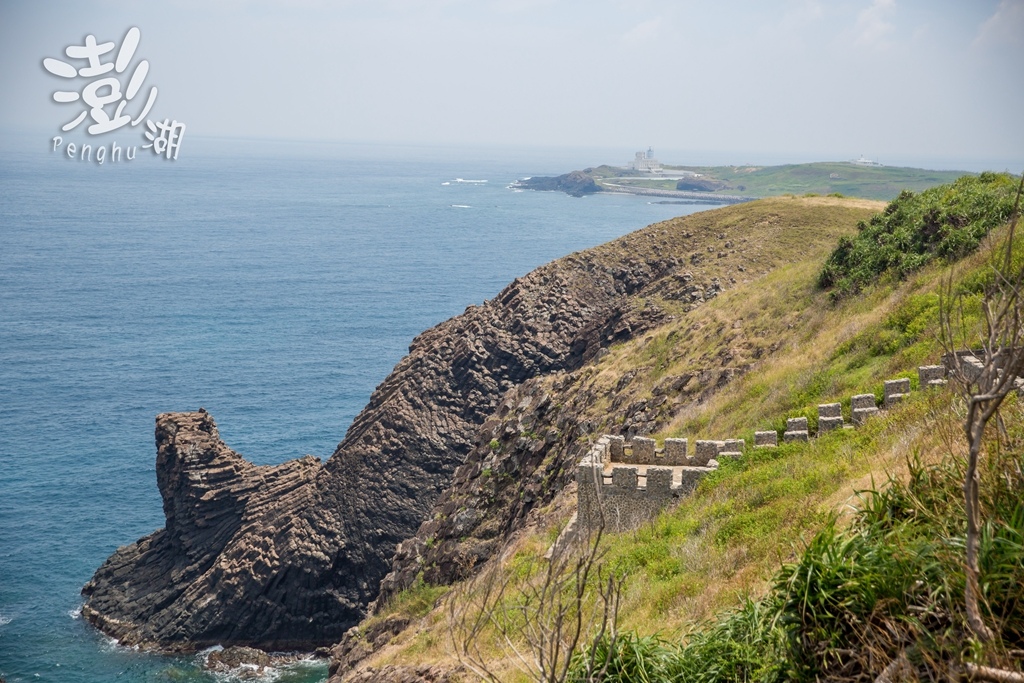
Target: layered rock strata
288 557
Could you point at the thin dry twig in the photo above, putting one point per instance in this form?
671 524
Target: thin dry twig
976 672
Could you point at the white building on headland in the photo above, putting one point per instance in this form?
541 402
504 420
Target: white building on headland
646 162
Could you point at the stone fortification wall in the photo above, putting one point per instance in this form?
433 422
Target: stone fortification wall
622 496
623 484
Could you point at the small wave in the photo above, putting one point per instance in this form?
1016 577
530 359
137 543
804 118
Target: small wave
75 613
247 672
4 619
113 645
285 666
460 206
464 180
446 183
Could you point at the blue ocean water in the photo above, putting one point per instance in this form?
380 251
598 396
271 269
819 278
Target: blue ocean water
275 284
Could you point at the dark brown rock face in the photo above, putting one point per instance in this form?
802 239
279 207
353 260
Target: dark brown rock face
288 557
192 583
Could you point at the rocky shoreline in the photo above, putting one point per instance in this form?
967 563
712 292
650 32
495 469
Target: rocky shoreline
288 557
582 183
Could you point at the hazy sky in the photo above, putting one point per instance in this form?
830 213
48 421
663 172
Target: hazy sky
895 80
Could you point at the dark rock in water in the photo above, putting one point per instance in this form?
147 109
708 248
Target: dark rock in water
234 657
287 557
574 183
226 519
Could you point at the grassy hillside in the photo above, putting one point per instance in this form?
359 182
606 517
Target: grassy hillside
709 585
849 179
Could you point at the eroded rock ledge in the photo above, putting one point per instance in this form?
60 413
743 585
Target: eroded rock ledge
208 576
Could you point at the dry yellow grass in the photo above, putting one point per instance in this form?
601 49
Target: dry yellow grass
781 347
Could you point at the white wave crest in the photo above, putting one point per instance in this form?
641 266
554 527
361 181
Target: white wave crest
248 672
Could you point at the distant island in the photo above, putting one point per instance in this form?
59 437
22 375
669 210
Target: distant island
735 184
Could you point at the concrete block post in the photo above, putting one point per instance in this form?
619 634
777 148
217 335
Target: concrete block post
768 439
732 448
830 410
796 430
863 407
643 450
830 416
690 476
659 481
705 451
675 451
827 424
931 376
895 390
625 478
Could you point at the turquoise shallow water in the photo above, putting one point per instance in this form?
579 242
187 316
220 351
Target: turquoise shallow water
274 284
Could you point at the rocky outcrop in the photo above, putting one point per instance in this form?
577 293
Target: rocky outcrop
574 183
360 642
234 658
288 557
207 577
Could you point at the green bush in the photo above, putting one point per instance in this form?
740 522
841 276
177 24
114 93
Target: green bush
945 222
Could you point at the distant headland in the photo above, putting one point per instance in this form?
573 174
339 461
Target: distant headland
645 175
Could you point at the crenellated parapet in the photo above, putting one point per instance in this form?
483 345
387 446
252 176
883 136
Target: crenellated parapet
623 484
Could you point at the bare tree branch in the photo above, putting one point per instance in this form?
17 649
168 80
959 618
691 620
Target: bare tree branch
539 620
984 378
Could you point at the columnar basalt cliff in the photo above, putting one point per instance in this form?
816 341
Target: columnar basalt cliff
289 557
241 562
158 590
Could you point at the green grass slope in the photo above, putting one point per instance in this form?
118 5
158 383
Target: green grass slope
777 568
849 179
